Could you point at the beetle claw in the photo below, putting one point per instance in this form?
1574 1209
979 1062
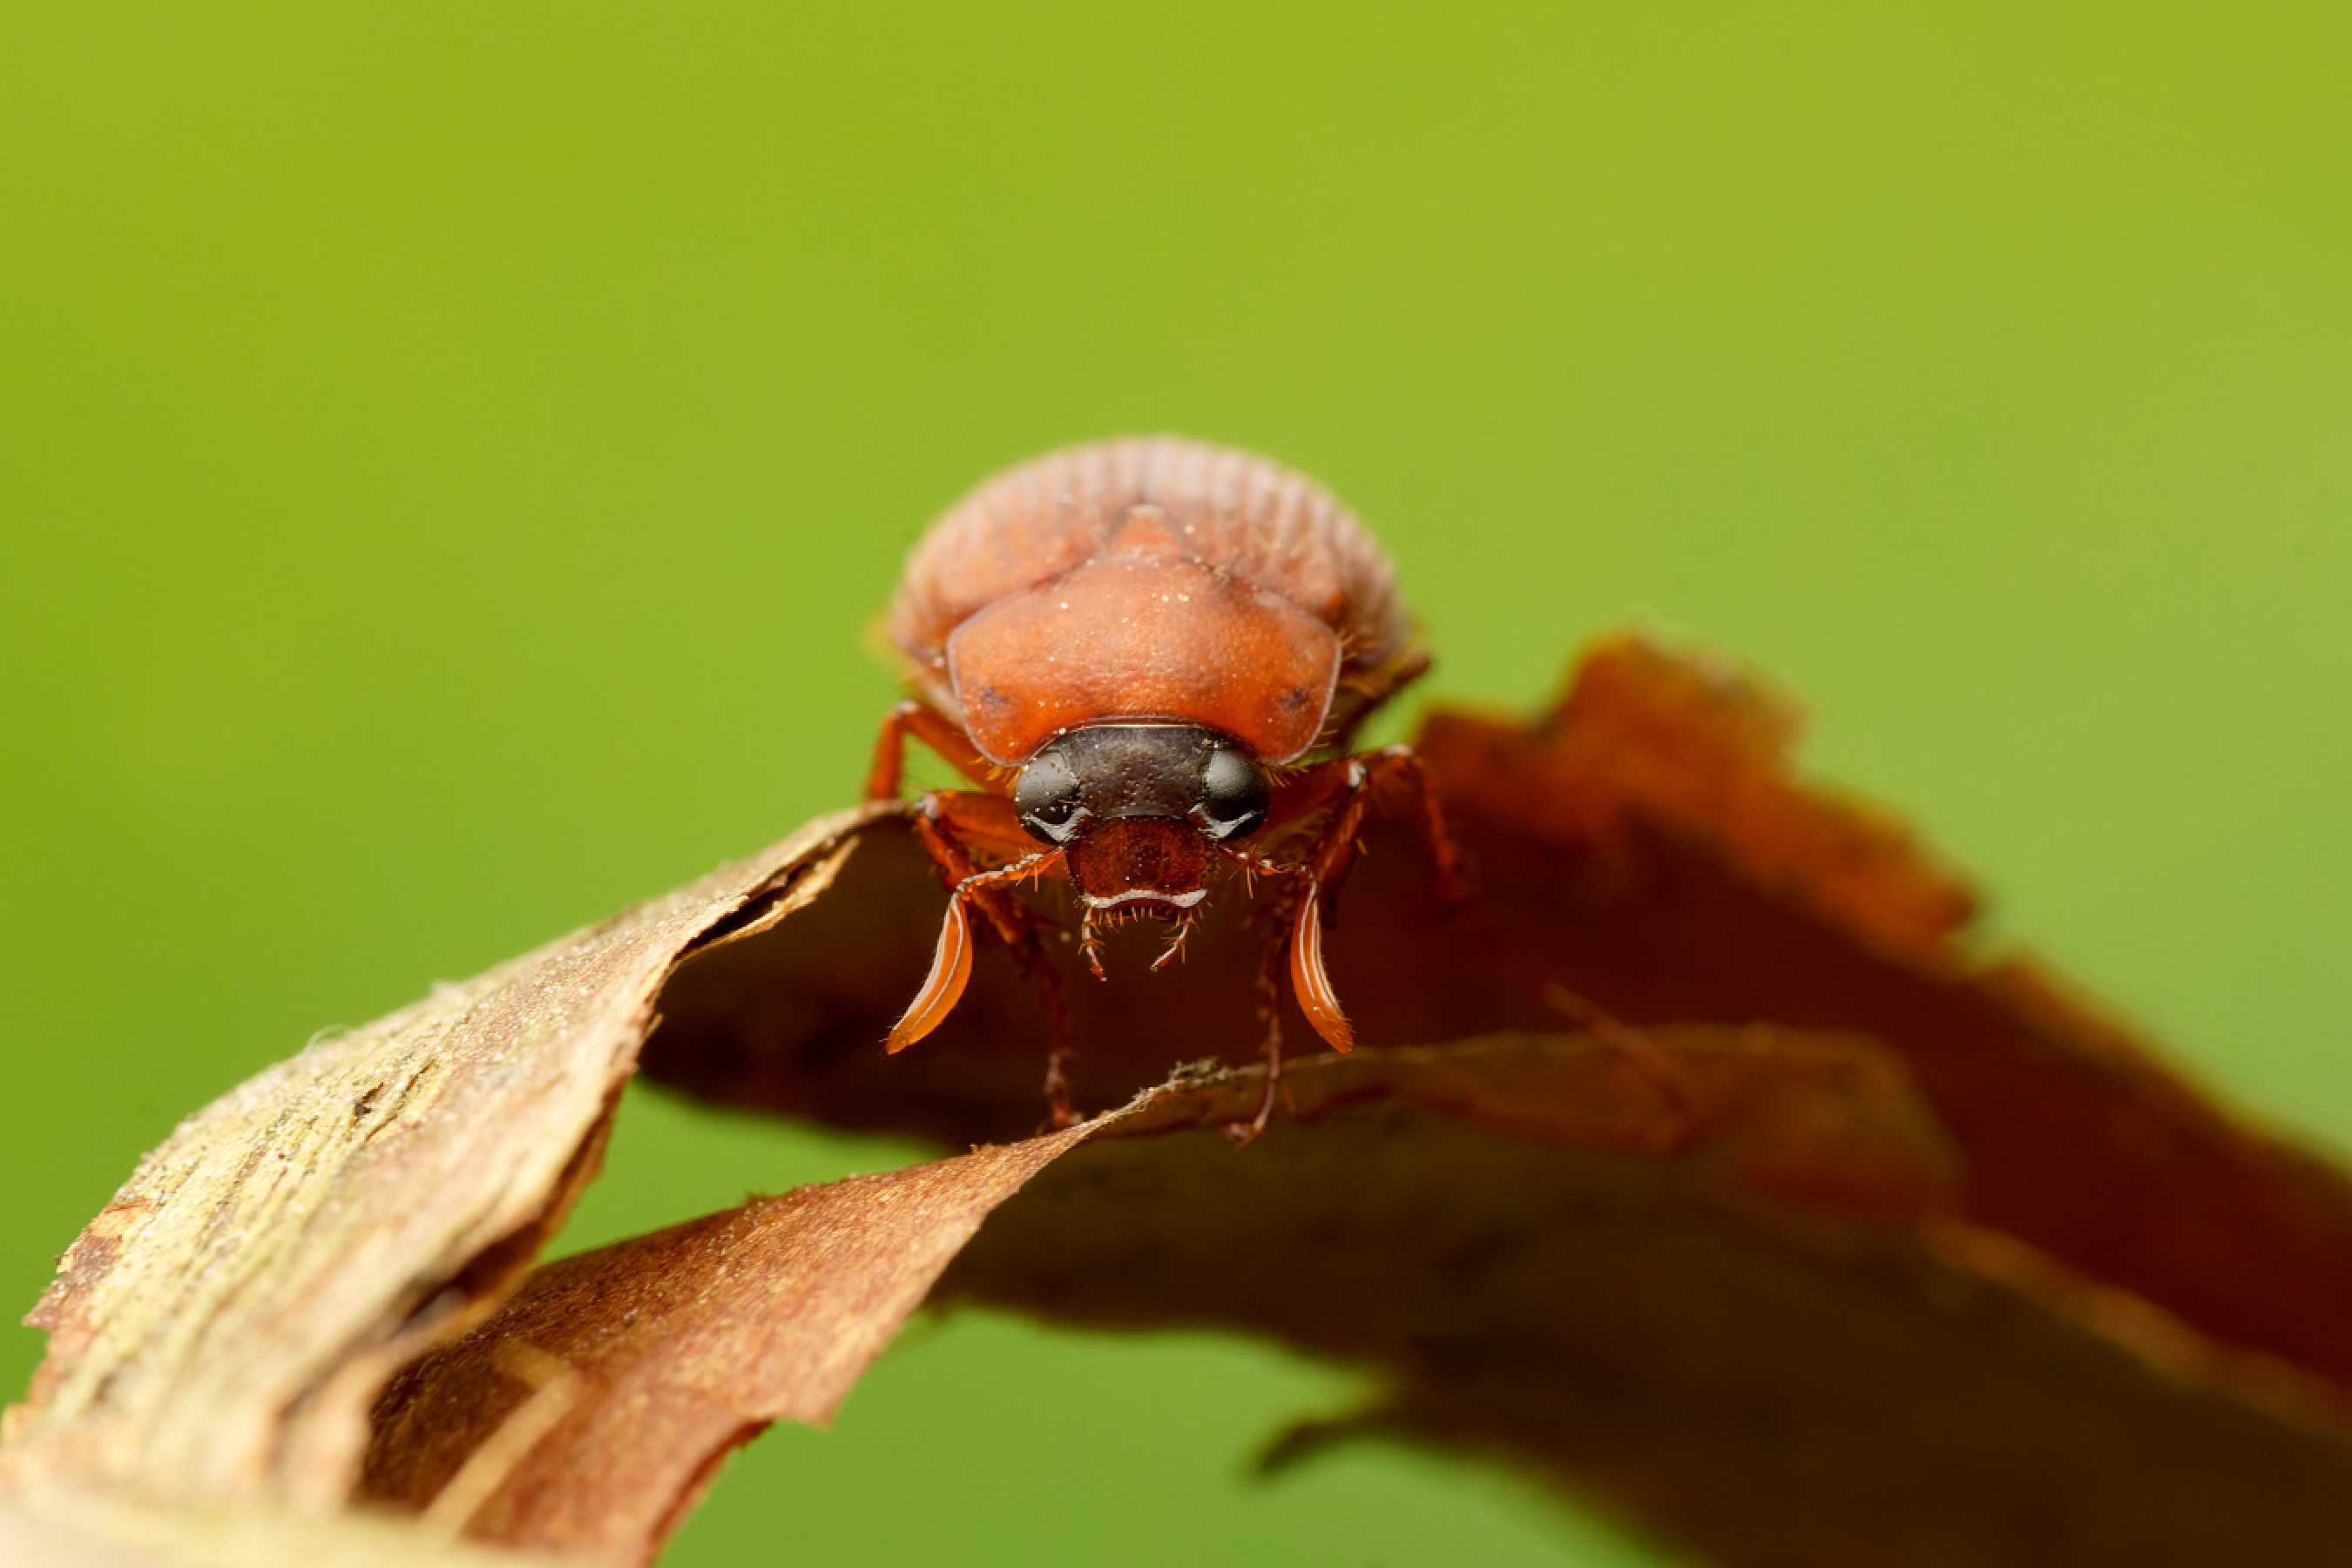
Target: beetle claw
1309 981
942 988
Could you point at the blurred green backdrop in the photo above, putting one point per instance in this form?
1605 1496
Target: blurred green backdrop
449 456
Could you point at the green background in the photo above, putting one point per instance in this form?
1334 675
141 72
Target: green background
451 457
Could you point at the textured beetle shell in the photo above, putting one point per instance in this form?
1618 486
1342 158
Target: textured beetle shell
1149 577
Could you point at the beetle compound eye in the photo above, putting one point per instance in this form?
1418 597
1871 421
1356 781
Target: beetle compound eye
1234 795
1047 797
1057 821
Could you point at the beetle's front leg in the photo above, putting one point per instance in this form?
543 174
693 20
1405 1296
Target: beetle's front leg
951 960
935 730
1269 1008
950 823
1345 786
1322 1008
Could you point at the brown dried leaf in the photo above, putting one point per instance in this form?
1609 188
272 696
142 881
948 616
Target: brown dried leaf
1973 1281
1492 1228
68 1529
655 1358
1645 853
1685 874
1771 1387
673 1348
218 1331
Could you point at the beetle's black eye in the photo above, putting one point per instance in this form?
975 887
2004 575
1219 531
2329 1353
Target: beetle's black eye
1047 797
1234 795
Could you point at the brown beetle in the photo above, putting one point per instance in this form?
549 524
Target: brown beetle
1144 654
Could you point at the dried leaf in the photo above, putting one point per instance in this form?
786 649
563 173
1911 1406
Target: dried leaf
218 1331
1683 874
659 1355
1774 1389
1492 1228
1647 854
675 1347
68 1529
1906 1257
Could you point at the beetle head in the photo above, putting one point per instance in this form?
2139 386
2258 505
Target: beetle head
1141 807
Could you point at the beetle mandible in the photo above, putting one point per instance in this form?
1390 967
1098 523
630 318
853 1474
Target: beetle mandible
1146 655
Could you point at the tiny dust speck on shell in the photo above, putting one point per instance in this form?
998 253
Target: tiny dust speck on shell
1697 1166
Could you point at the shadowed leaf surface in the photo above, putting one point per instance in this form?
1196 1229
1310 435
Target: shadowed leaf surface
1771 1386
678 1345
1770 1339
655 1357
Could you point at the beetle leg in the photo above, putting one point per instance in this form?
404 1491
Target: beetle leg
1344 786
950 823
1309 981
935 730
947 821
1302 943
1269 1011
951 971
1444 853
